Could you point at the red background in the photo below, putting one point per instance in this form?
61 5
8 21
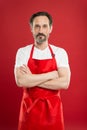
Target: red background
69 32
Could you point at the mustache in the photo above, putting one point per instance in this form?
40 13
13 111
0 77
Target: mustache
40 34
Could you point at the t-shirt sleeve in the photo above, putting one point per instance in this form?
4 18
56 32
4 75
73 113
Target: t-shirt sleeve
20 58
62 58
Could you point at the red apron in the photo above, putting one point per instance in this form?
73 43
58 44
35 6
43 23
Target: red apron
41 109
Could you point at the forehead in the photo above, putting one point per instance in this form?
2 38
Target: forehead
41 20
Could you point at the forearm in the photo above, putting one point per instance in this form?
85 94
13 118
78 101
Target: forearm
62 82
56 84
31 80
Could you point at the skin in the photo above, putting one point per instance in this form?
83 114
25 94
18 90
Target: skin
54 80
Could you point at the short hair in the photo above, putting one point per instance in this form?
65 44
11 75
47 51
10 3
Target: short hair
41 14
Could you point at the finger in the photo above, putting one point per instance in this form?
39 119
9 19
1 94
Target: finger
27 68
23 69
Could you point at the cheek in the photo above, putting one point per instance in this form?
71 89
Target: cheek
48 31
34 32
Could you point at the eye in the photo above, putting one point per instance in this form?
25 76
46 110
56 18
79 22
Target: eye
37 26
45 26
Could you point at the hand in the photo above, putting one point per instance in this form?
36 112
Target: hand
25 69
53 74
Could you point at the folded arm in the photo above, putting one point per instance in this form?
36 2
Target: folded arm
62 82
25 78
54 80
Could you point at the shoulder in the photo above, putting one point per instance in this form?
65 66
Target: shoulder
60 56
26 48
58 50
22 55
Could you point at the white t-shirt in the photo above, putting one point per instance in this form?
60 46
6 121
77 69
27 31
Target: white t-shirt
23 55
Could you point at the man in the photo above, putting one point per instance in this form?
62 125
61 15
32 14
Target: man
42 70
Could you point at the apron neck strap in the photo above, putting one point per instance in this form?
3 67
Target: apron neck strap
52 54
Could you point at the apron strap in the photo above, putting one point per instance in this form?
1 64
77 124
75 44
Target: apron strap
52 54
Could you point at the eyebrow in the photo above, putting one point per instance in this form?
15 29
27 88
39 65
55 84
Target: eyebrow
39 25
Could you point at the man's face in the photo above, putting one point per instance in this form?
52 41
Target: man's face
41 29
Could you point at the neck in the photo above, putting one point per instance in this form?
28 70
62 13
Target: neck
41 46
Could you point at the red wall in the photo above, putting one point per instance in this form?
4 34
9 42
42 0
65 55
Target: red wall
69 32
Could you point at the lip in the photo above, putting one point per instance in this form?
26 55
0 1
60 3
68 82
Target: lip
40 35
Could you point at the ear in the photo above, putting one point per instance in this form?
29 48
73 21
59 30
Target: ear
51 28
31 28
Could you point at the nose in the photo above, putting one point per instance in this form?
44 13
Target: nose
40 29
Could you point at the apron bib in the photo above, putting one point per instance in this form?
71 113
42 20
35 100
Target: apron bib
41 109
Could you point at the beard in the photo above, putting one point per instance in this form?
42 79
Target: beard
40 38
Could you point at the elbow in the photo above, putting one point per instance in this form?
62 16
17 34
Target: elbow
18 82
66 85
67 82
17 78
22 83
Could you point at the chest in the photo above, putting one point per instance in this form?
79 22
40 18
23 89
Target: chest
38 66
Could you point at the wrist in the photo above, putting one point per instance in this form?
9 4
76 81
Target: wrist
50 75
53 74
